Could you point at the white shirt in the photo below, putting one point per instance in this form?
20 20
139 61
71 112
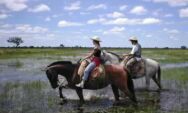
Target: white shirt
134 50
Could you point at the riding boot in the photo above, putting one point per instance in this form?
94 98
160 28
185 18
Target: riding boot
81 84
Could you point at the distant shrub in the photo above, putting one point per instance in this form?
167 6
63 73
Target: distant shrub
183 47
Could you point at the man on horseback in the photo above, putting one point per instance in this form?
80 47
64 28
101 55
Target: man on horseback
96 61
135 54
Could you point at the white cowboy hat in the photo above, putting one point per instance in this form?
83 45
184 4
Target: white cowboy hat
96 38
133 38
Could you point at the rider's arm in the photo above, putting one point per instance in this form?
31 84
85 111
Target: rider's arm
134 49
90 55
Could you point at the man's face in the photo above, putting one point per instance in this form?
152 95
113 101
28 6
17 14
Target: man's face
93 42
133 42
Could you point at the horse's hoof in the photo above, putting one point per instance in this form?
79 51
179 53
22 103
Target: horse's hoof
63 101
117 103
80 108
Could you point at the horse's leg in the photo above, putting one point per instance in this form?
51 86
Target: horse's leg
122 83
79 92
159 77
156 81
129 94
131 88
63 99
147 82
116 92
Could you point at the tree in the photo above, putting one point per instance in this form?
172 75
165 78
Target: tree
183 47
62 45
15 40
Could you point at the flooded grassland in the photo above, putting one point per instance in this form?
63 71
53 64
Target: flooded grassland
24 88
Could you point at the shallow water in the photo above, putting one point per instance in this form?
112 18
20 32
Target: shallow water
173 97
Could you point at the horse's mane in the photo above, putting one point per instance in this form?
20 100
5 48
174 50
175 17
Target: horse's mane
60 63
119 58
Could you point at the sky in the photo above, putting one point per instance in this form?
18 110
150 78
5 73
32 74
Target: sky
156 23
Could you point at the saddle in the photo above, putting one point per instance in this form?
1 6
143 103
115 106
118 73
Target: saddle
97 72
137 69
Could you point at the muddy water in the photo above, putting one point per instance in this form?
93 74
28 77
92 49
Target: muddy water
173 97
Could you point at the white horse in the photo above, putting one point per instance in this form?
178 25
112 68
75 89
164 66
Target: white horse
152 67
152 71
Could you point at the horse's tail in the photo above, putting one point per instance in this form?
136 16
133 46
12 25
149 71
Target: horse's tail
131 86
159 75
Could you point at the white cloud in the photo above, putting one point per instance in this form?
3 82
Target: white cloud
73 6
158 12
95 21
151 21
148 35
14 5
168 15
173 37
147 0
171 31
123 7
115 15
173 2
99 6
84 13
64 23
138 10
183 12
6 26
55 16
115 30
26 28
50 35
118 21
47 19
127 21
40 8
3 16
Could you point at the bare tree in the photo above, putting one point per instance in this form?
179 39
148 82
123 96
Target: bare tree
16 40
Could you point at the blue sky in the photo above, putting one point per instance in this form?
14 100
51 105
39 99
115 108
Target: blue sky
156 23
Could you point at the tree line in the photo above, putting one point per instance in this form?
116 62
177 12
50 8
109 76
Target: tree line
18 41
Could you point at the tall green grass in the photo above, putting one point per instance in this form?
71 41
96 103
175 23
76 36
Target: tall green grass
179 74
161 55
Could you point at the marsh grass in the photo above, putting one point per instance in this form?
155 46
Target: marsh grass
179 74
161 55
36 52
130 109
23 97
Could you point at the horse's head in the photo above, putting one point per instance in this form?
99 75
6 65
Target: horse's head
52 78
55 69
110 57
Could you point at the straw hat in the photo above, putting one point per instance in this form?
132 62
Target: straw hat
96 38
133 38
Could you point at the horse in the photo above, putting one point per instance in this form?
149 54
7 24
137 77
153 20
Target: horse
116 76
152 68
152 71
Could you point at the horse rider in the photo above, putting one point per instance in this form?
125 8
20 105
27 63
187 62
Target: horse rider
135 53
96 61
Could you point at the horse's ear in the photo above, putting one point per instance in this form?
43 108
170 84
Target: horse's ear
78 62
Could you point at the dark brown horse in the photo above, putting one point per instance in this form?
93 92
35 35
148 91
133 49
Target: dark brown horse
116 75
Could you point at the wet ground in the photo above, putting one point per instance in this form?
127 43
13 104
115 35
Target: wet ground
25 88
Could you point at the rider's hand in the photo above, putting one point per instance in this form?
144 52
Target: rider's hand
82 60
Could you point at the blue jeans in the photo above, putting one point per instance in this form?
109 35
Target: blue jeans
88 70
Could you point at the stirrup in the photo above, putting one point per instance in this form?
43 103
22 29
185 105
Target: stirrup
81 85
